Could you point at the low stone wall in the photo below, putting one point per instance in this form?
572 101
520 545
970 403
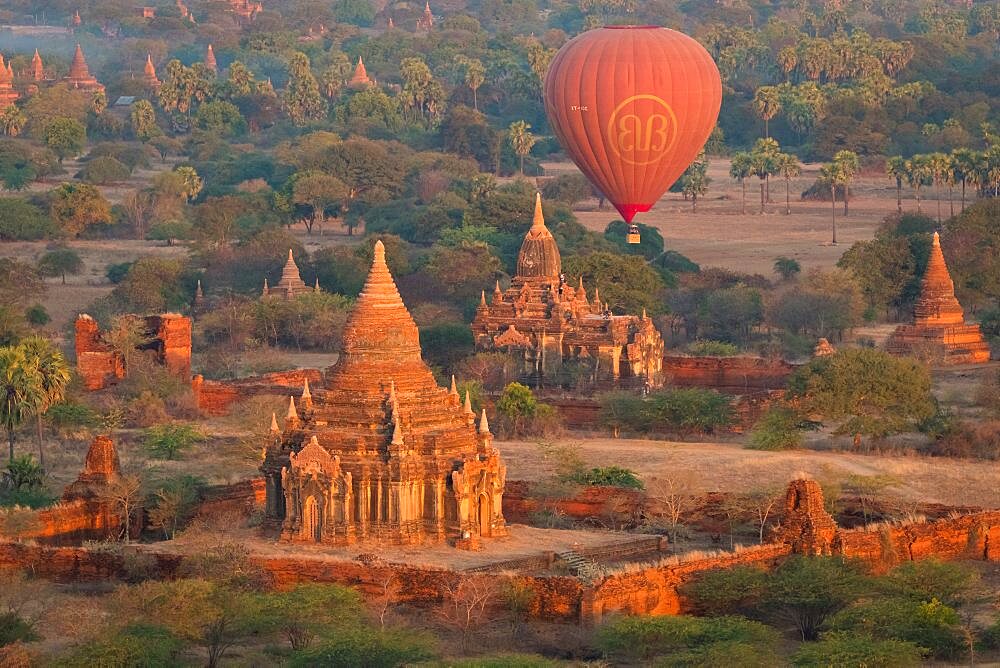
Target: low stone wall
215 397
68 523
732 375
589 502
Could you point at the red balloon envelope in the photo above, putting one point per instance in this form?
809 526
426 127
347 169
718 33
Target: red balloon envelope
633 106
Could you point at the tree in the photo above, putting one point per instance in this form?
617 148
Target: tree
22 221
831 176
465 600
167 441
963 164
939 165
842 649
138 207
143 119
421 93
475 75
763 163
220 118
317 192
51 378
303 100
848 164
183 86
896 168
309 611
627 282
59 262
787 268
789 167
778 429
807 590
12 121
871 391
740 168
190 183
918 174
66 137
694 181
20 393
767 104
521 140
76 206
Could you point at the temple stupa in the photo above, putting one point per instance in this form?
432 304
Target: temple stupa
149 74
7 93
360 79
939 328
210 61
549 321
79 76
381 452
291 283
37 68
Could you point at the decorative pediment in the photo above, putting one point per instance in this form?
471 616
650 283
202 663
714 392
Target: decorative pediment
312 459
512 338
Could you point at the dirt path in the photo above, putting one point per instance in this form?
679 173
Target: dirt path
729 467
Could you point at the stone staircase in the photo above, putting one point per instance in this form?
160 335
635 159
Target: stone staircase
580 566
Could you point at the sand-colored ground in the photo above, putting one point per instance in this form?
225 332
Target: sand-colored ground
707 467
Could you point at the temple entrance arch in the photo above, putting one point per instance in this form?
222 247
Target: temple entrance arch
310 520
484 515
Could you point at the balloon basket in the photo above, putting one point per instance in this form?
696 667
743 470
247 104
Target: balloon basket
633 238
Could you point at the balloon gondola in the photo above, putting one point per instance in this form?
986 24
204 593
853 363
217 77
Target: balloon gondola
633 234
632 106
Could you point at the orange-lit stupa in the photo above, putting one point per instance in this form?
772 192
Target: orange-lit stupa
7 92
291 283
360 79
382 452
939 329
149 74
210 61
550 322
79 76
37 68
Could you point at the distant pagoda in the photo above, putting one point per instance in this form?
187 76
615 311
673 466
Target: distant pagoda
149 77
7 93
79 76
37 68
291 284
549 321
360 79
939 328
426 22
210 62
382 453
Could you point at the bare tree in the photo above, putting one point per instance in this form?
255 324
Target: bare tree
672 494
465 600
389 588
138 207
123 496
763 503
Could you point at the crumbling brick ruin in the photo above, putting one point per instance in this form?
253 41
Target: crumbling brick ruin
99 365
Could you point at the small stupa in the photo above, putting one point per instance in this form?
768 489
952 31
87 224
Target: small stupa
291 283
426 22
79 76
37 68
149 74
7 92
100 469
360 78
210 61
939 326
823 348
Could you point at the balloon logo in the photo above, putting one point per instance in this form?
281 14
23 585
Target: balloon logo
632 106
642 136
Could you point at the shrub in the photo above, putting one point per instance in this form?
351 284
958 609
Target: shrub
443 345
116 272
71 415
979 440
568 188
991 636
778 429
690 411
133 646
727 591
167 441
930 579
366 647
931 625
15 628
521 414
37 316
708 348
851 650
24 473
608 476
104 171
638 639
786 267
22 221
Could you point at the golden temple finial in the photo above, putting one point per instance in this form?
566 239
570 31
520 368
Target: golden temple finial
292 413
274 423
484 424
539 219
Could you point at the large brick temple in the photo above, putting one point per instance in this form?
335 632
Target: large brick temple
551 321
381 452
939 328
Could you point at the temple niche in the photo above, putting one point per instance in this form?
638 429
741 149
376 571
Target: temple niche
939 329
380 452
549 321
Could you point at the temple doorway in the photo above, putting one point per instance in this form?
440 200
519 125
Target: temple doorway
310 519
484 515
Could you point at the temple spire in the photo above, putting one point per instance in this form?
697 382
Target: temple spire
37 69
484 425
538 220
468 404
454 386
274 424
307 398
937 304
210 61
292 414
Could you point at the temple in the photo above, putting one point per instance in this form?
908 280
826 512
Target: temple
7 92
149 74
100 469
210 62
426 22
245 8
79 76
551 322
939 328
37 68
291 284
360 78
382 453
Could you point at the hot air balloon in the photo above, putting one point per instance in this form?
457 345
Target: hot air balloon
632 106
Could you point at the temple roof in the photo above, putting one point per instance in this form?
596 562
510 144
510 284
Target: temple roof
360 74
539 255
937 304
210 61
37 68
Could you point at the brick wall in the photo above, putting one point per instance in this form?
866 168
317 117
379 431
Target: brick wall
215 397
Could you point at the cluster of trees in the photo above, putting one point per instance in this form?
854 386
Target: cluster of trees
977 170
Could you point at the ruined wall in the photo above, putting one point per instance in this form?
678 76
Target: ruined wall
589 502
732 375
64 524
168 335
215 397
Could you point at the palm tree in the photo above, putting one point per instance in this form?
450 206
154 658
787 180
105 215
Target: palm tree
475 75
848 165
763 163
19 391
940 167
767 104
831 175
895 167
788 166
51 377
739 168
918 174
963 166
521 140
